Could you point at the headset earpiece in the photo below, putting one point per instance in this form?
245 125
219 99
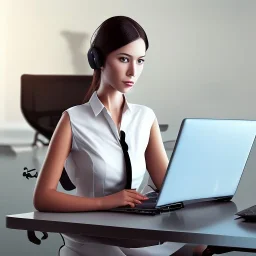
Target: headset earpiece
94 58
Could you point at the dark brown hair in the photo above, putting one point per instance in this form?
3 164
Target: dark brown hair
112 34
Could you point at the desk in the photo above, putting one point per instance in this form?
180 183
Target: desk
205 223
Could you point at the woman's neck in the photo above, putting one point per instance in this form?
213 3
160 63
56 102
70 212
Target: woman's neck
112 100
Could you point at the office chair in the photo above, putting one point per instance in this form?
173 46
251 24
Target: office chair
44 98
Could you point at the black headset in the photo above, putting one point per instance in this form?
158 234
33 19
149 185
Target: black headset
94 55
94 58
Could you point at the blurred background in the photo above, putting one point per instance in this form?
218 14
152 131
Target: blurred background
201 62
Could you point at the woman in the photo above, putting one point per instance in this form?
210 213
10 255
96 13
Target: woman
87 142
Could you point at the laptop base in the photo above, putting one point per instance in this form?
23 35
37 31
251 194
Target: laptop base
149 211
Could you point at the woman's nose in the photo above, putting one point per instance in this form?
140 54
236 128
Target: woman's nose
132 70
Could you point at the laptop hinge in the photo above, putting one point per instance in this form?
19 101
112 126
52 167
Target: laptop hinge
170 207
224 198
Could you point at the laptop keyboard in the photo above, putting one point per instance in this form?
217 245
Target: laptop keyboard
251 211
136 211
152 194
149 200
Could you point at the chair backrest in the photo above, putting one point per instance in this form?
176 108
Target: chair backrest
45 97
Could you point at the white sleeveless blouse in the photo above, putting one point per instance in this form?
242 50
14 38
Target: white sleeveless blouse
96 164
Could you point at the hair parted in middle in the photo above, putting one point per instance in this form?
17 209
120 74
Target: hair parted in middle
111 35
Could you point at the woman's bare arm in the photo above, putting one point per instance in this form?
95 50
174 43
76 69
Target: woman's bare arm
46 197
156 157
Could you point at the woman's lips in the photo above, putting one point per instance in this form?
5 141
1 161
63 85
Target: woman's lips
128 83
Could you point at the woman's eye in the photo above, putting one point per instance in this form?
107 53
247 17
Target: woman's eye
141 61
123 58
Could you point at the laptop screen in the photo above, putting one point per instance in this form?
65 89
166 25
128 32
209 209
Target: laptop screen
208 159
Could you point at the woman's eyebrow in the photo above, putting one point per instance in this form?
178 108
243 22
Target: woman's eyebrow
128 54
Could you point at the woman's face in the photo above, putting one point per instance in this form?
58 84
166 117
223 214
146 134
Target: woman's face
124 64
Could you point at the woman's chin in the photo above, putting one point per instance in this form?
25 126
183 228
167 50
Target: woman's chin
128 88
125 90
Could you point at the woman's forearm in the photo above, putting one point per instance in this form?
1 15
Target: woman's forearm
55 201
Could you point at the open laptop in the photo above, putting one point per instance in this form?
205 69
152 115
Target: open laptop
206 164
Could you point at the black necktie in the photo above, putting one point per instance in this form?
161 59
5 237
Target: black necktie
127 161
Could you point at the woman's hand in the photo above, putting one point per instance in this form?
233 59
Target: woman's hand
125 197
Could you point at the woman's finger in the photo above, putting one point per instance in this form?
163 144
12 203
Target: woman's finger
132 205
137 195
133 200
